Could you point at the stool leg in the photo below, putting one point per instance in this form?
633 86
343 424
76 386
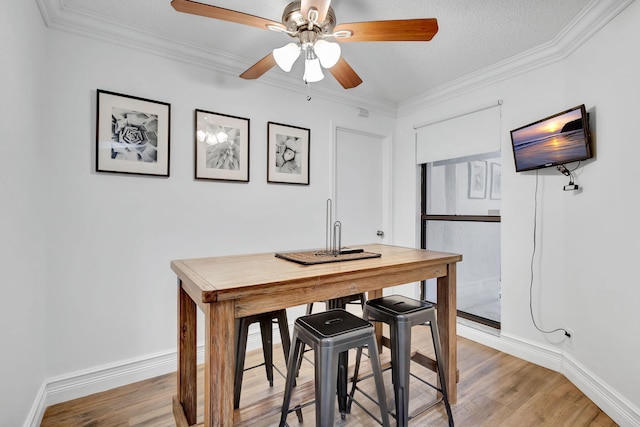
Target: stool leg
354 382
326 362
342 380
266 331
377 376
343 364
309 310
435 337
283 325
292 363
242 330
402 367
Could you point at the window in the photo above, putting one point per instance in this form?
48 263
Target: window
461 214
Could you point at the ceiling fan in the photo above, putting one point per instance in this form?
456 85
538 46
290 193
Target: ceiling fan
312 23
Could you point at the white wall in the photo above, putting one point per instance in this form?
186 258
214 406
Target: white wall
104 265
112 295
98 246
586 276
22 210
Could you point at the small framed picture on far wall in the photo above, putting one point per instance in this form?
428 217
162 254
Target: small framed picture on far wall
477 179
496 182
221 147
287 154
132 135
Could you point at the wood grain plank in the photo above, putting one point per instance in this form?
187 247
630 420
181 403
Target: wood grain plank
494 388
446 299
219 363
187 358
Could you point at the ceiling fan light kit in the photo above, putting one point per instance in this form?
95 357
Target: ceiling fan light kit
317 53
310 23
312 71
328 52
286 56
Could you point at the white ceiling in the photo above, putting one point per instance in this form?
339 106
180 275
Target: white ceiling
473 36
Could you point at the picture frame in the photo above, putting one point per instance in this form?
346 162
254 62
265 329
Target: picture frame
287 154
221 147
495 192
477 179
132 134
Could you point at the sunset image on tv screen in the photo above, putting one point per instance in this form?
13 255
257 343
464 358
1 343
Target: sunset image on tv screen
559 139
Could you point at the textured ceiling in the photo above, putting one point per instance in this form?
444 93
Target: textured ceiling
472 35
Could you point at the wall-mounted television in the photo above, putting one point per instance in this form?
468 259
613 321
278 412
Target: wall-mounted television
554 140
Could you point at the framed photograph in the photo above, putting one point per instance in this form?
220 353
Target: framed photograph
132 135
287 154
496 181
477 179
221 147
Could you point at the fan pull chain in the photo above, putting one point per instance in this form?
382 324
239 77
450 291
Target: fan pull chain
308 91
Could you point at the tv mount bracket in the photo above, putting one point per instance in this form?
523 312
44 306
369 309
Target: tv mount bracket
571 186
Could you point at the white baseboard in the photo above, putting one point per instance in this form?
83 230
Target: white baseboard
83 383
37 409
623 412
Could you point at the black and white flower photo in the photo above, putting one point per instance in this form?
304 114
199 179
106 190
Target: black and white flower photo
134 135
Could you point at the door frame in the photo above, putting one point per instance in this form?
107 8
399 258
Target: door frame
387 168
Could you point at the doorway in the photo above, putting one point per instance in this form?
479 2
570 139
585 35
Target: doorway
361 190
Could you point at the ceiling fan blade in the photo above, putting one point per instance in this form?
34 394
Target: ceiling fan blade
321 5
345 75
195 8
402 30
259 68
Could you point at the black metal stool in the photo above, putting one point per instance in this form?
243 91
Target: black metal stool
329 334
401 314
266 331
340 302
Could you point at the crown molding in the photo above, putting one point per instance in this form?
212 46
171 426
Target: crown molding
588 22
59 15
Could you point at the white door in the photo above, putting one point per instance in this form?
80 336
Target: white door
359 187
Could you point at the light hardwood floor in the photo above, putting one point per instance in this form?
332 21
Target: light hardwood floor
495 389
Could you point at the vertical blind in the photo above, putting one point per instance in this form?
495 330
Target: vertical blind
466 134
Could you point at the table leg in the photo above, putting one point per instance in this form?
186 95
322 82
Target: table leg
219 364
187 363
447 328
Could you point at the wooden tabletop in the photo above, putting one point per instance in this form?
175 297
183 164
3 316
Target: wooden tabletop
233 277
228 287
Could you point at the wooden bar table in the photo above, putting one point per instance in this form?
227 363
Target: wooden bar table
229 287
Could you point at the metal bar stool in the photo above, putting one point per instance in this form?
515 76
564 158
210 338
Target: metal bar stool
343 363
266 331
330 333
401 314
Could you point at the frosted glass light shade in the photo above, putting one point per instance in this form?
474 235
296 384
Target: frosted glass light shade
312 71
328 52
286 55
